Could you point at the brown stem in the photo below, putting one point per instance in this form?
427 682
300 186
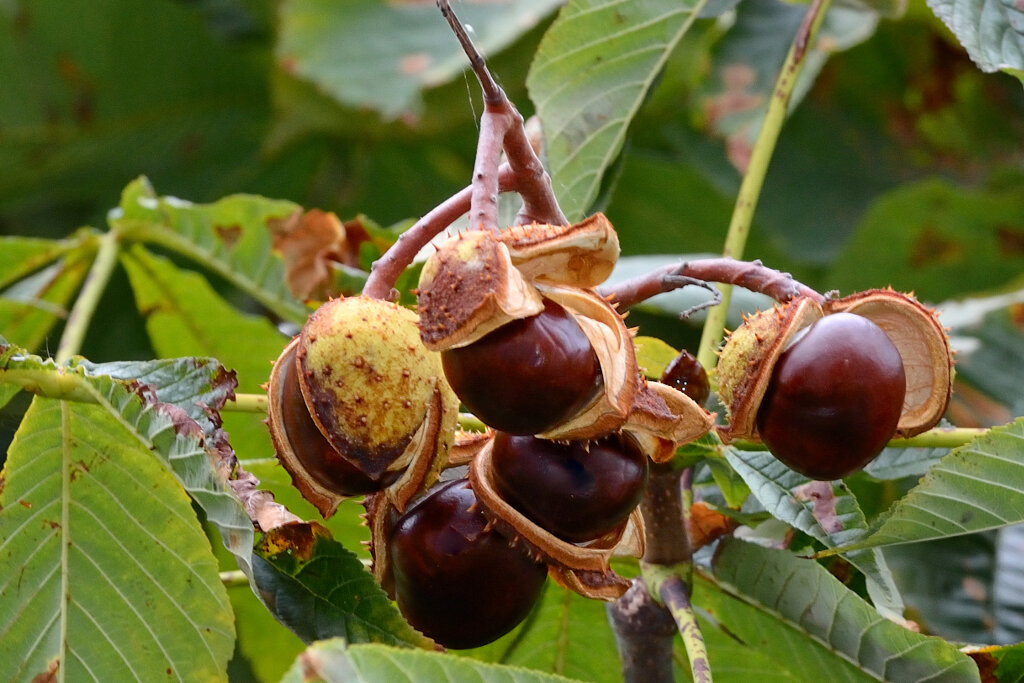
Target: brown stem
752 275
502 124
663 511
645 633
385 271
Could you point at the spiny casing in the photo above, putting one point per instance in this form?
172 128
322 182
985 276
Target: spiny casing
752 350
374 392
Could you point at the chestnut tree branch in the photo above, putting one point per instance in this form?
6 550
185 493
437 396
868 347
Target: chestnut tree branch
386 270
752 275
753 178
645 634
501 127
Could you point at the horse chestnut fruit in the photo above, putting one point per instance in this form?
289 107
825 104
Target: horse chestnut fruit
579 490
834 398
686 374
456 578
318 458
528 375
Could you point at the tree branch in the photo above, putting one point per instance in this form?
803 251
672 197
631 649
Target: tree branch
752 275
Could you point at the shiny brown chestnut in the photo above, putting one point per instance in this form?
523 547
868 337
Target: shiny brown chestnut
528 375
835 397
686 374
578 490
456 578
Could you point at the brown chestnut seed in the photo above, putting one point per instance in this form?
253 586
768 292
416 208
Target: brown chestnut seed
313 451
686 374
528 375
579 490
834 399
457 579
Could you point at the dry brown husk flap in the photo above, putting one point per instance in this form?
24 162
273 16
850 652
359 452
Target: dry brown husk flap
470 287
590 559
613 344
923 345
579 255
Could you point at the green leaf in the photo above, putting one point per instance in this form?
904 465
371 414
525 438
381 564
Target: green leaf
951 239
826 512
589 77
22 256
334 662
990 359
351 49
734 661
813 626
30 307
948 585
974 488
186 317
164 429
565 634
116 577
321 590
991 30
653 355
230 237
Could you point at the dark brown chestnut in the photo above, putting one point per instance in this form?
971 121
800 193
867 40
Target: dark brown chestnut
686 374
579 490
456 578
834 398
318 458
528 375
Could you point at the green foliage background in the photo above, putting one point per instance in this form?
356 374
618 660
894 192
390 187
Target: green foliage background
902 165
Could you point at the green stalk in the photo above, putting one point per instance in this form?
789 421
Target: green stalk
939 437
247 403
85 307
753 180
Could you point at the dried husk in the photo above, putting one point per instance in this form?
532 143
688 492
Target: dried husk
582 567
924 346
468 288
373 391
662 418
748 358
579 255
751 352
613 344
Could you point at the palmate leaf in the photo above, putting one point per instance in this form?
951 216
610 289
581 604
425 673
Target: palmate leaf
36 300
974 488
812 626
107 573
320 590
230 237
589 77
334 662
565 634
190 449
185 316
821 510
992 31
